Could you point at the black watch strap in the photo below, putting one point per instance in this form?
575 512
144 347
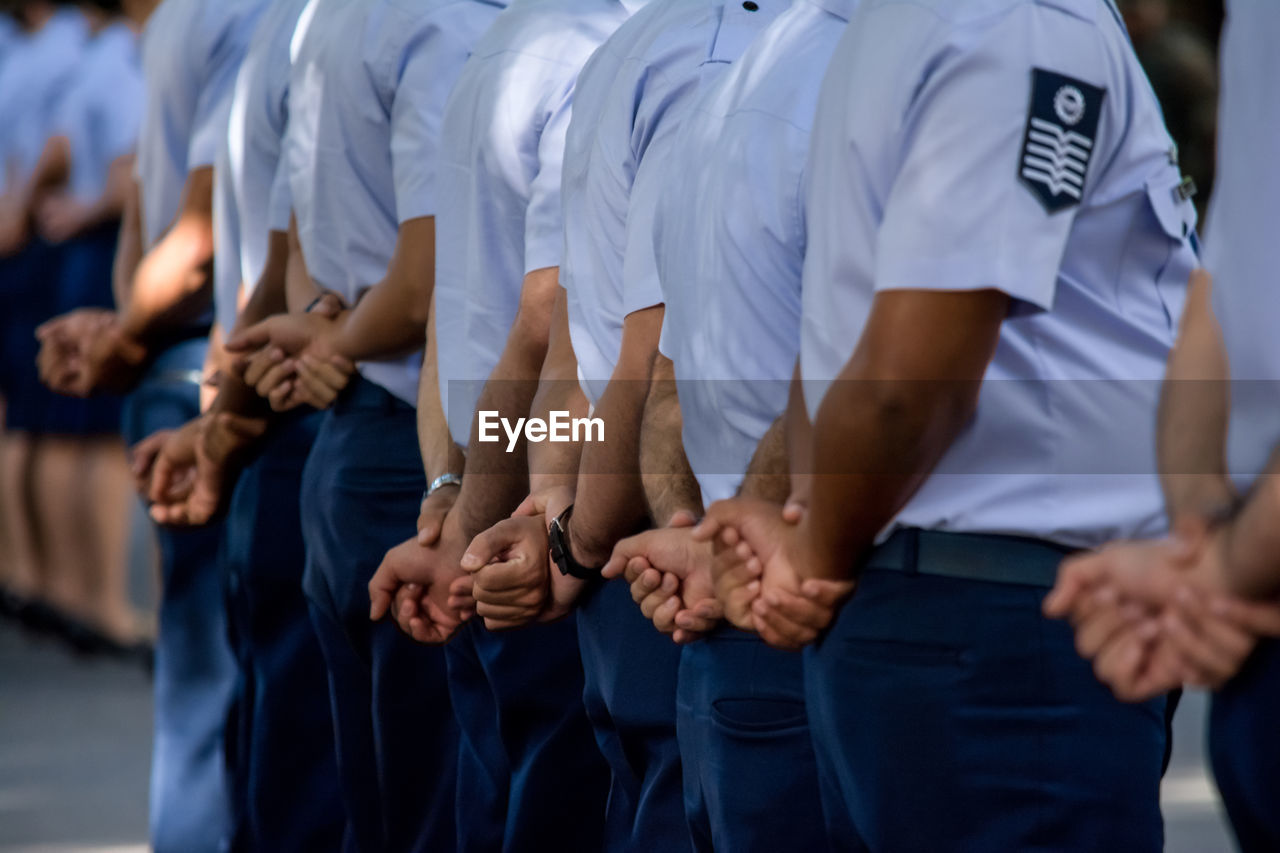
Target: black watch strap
562 554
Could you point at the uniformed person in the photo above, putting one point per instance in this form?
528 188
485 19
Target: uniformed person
83 176
155 344
731 240
631 96
497 278
992 206
363 157
37 74
283 775
1202 610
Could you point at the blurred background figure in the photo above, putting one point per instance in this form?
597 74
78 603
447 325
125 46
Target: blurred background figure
1177 43
62 214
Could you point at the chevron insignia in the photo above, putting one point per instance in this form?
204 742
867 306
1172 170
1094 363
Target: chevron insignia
1062 126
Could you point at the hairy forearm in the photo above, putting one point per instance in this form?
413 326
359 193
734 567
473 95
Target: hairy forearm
497 480
669 483
1195 407
768 474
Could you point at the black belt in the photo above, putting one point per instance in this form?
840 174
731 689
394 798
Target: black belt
971 556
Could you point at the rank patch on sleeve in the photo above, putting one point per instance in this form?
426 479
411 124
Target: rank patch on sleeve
1062 124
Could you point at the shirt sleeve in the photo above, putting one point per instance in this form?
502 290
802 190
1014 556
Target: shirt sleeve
417 113
959 215
544 217
122 116
280 202
641 284
213 100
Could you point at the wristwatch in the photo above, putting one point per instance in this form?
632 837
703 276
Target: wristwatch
561 554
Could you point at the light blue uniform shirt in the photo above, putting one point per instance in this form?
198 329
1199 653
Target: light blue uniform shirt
640 80
191 51
1241 249
247 200
363 148
102 111
733 294
40 71
1015 145
503 146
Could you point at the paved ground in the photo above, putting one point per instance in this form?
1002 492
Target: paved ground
74 746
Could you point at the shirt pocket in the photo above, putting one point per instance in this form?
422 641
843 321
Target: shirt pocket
1175 216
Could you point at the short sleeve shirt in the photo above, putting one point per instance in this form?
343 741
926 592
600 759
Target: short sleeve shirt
1014 145
191 51
369 84
102 110
733 294
1243 223
249 159
39 73
643 78
503 148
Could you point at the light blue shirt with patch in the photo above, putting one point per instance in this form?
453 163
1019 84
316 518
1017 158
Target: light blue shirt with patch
1014 145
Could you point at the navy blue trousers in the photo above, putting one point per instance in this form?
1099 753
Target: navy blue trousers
951 715
284 773
750 775
1244 745
195 671
630 696
529 775
394 728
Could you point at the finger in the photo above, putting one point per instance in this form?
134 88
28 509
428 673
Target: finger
1261 619
796 609
638 566
1075 577
261 362
682 518
1212 651
490 545
275 375
252 338
286 396
775 630
325 374
382 587
826 593
508 614
645 584
1094 634
667 590
664 615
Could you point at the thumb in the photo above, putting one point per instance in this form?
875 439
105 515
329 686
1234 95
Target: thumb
252 338
682 518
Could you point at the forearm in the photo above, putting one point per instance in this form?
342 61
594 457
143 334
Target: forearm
390 318
1194 412
1251 541
440 453
768 474
497 472
874 443
669 483
172 284
555 464
128 247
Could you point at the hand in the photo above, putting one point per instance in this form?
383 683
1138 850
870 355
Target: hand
15 229
110 360
192 473
64 341
791 609
59 217
423 612
273 353
142 457
1152 615
670 577
511 573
